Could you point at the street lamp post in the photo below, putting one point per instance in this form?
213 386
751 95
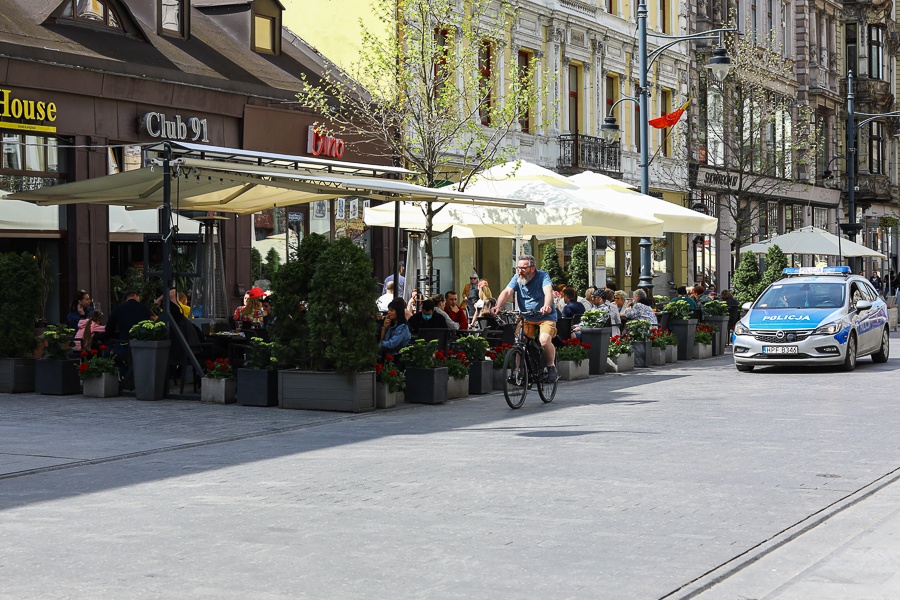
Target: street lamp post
719 65
851 227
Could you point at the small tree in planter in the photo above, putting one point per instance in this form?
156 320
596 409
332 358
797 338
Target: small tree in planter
341 327
480 369
747 282
571 360
579 278
550 263
291 287
776 263
257 381
19 313
218 382
149 344
56 373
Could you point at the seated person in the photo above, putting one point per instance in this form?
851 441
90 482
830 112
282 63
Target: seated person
637 308
426 318
486 321
90 332
395 332
252 313
386 298
572 306
682 295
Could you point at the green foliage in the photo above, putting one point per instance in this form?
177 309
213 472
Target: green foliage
220 368
638 330
776 263
341 311
747 279
419 354
149 331
704 333
134 280
96 365
716 308
291 287
619 344
59 341
475 347
596 317
262 355
19 311
255 264
273 262
550 263
574 350
679 310
579 277
389 374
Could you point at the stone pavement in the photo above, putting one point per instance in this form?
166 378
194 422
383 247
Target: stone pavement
654 484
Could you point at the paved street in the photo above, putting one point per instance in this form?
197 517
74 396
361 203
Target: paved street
689 479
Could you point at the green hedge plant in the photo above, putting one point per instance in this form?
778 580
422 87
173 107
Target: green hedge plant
19 311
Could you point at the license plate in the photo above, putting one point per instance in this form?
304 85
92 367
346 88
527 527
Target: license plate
779 349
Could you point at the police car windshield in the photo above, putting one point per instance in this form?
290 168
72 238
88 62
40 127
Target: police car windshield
802 295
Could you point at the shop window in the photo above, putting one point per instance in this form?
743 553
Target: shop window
485 93
172 16
525 78
123 158
31 154
94 12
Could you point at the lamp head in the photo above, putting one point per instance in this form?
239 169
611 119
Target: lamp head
610 129
720 64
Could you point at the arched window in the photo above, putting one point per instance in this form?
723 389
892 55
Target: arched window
95 12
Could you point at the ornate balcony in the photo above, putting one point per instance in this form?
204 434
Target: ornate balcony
586 153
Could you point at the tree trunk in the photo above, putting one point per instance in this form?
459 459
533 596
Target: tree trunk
429 253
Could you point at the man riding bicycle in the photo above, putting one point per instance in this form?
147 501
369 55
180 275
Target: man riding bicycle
534 292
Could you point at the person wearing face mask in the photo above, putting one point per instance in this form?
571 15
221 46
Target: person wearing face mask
426 318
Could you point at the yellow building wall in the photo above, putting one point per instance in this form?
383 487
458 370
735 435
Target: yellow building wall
331 26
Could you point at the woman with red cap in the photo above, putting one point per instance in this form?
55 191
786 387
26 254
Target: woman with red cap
252 312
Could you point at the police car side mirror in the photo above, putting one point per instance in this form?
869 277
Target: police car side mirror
863 305
746 305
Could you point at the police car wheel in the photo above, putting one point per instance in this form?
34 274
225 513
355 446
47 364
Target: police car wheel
850 358
744 368
883 352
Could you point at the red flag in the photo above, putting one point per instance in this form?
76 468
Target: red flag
669 119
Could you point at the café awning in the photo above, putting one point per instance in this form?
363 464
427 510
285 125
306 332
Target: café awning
244 182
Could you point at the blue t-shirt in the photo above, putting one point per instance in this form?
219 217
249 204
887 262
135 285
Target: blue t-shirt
531 295
572 308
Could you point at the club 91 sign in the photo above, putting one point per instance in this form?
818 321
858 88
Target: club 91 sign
177 128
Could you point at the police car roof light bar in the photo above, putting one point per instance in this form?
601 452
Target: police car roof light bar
842 270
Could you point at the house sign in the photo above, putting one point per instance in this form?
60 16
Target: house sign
28 110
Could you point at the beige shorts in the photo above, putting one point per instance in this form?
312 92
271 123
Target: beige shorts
548 327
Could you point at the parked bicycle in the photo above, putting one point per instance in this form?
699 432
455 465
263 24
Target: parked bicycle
525 366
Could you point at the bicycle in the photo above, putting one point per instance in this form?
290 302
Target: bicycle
525 366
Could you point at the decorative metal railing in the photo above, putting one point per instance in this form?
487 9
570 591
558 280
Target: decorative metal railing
578 151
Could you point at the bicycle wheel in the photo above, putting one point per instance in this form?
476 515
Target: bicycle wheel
515 378
546 390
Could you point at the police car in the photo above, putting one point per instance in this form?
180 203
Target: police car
813 316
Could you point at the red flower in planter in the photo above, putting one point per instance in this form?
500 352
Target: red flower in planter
379 368
83 367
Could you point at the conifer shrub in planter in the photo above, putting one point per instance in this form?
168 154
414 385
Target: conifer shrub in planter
257 381
19 313
340 345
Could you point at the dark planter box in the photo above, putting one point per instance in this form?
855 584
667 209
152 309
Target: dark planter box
16 375
57 377
150 362
481 377
599 340
427 386
257 387
642 353
323 390
684 331
720 338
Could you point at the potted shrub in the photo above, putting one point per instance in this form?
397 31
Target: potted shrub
703 339
56 373
596 332
149 344
481 370
659 338
715 312
497 354
638 332
391 381
671 347
620 354
218 384
572 360
458 370
257 381
426 382
99 374
336 359
683 326
19 312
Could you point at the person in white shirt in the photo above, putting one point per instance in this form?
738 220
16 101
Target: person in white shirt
386 298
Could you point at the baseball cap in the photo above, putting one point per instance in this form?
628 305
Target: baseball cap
256 293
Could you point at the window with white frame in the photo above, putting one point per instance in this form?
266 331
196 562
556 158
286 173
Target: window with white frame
820 217
876 148
95 12
172 17
876 52
715 128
